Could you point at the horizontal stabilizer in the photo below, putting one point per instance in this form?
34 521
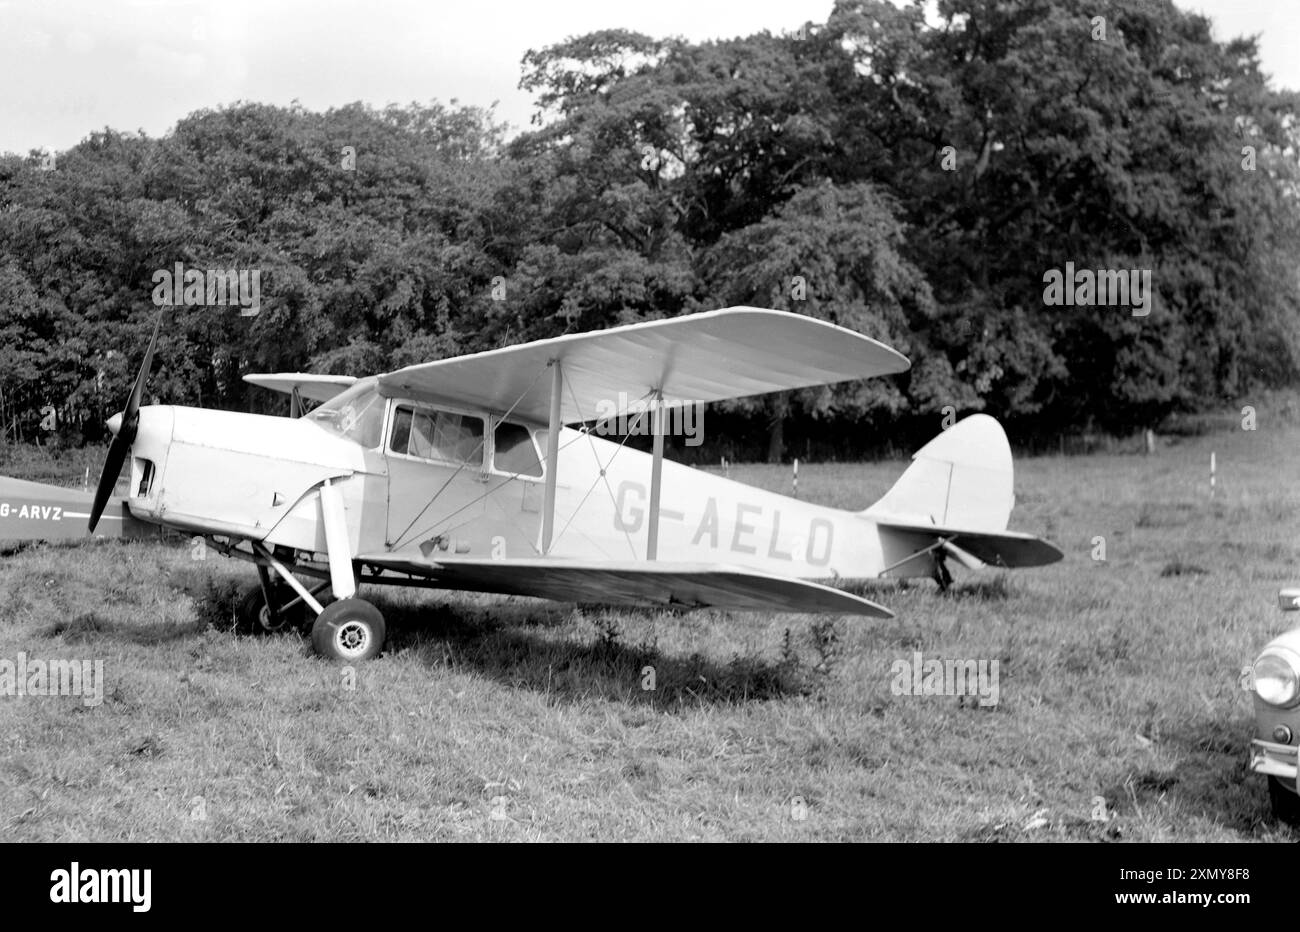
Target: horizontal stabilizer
682 585
35 511
994 548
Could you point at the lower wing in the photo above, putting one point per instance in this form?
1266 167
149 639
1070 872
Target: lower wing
682 585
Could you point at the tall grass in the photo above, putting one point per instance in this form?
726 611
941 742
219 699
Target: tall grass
1120 715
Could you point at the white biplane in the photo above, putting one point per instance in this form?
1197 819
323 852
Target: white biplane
465 474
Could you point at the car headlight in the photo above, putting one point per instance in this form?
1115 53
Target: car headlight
1277 679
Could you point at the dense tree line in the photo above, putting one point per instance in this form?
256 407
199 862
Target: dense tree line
912 180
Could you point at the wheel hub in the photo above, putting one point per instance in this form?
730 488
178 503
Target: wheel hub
268 621
352 638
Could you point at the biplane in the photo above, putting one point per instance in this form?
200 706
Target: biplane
483 473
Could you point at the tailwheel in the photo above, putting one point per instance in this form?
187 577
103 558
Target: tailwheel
348 630
254 616
941 573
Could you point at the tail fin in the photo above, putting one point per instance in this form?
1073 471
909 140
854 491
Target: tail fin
960 479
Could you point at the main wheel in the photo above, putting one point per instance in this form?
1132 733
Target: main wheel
348 630
253 616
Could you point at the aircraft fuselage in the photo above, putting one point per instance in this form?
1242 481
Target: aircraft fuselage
256 477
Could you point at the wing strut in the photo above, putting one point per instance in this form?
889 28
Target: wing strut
656 475
941 544
552 455
259 549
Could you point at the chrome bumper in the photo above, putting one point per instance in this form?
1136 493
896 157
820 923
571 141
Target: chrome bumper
1276 760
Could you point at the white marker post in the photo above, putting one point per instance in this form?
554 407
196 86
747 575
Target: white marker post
796 477
1212 465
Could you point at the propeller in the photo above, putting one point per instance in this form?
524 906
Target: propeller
127 423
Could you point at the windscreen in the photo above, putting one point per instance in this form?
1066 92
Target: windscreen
356 414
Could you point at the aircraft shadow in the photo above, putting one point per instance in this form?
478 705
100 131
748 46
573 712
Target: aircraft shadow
512 643
988 589
519 642
89 626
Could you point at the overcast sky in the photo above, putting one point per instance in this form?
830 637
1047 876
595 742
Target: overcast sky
68 67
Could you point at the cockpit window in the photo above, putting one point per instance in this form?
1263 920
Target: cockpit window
515 451
432 434
356 414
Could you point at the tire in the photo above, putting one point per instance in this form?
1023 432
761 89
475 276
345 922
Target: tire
1286 804
253 617
348 631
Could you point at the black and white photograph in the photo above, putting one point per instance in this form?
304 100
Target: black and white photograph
785 421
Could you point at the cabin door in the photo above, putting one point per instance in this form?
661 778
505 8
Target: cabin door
437 484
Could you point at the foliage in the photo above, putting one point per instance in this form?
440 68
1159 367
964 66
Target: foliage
912 179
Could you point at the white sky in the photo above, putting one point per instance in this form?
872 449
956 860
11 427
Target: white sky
68 67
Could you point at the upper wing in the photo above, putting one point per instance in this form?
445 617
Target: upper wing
995 548
686 585
314 387
699 357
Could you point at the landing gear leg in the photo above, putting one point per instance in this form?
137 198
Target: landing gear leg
350 629
272 606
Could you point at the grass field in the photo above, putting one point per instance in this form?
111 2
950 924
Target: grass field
511 719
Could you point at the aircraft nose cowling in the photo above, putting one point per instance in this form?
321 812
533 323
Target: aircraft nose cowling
153 436
228 472
153 430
